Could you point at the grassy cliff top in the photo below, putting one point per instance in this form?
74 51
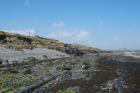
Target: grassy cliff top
18 41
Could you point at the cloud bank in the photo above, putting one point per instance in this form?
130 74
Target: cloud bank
76 37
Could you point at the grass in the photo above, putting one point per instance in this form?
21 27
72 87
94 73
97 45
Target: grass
10 83
18 42
67 91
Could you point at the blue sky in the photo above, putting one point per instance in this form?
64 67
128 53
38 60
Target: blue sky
106 24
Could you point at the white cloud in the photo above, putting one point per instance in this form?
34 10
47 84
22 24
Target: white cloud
30 32
77 37
83 34
58 25
66 35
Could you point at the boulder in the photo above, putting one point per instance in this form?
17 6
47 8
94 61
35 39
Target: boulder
1 61
64 67
85 66
30 59
5 62
28 71
45 56
13 71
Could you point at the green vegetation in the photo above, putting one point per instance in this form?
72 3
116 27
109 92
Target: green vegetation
10 83
19 42
15 41
67 91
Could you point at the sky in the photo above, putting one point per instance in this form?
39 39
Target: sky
105 24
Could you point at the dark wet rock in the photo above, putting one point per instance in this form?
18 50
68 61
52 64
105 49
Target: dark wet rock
30 59
13 71
45 56
59 48
5 62
15 63
28 71
64 67
66 45
67 68
1 61
67 75
74 51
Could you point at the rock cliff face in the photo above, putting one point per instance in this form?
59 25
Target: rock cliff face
27 55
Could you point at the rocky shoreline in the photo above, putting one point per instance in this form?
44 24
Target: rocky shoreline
99 72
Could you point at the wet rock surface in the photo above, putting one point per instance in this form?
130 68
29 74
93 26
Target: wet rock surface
104 76
97 73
